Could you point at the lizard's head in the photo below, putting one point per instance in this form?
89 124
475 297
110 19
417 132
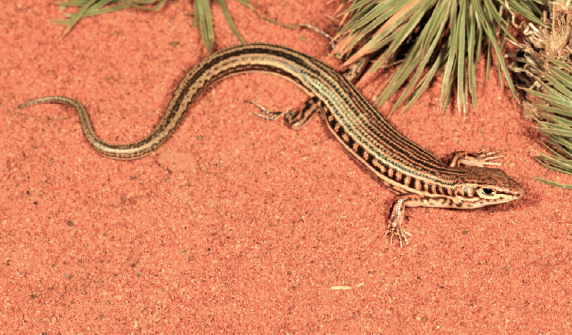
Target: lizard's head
485 186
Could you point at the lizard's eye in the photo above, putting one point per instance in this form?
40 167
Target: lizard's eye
486 193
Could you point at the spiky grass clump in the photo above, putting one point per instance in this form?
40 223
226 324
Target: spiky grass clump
543 68
556 110
436 37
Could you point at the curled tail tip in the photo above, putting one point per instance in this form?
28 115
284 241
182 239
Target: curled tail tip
29 103
24 105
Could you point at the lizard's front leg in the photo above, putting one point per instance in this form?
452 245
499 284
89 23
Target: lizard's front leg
397 214
480 159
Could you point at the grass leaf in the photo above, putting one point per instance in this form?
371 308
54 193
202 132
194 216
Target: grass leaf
204 21
230 21
202 16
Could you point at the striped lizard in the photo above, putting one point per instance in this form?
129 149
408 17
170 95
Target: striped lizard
418 177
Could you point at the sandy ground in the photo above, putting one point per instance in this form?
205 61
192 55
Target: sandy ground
238 224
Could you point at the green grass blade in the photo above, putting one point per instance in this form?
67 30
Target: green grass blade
559 164
203 20
230 21
471 74
397 20
359 4
530 11
139 4
564 144
245 3
479 40
374 16
450 66
560 80
552 183
422 51
96 7
425 81
76 3
461 87
501 60
490 33
495 19
93 11
417 15
73 20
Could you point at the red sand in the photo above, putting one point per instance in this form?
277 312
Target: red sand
241 225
